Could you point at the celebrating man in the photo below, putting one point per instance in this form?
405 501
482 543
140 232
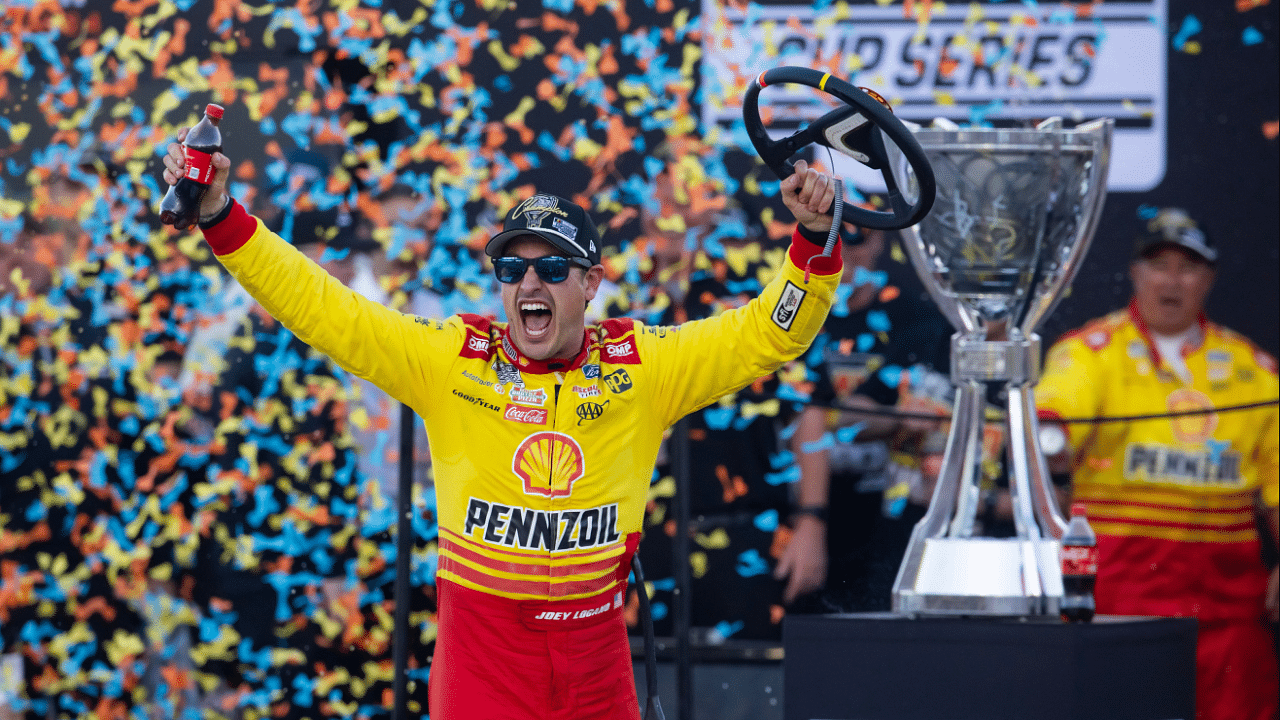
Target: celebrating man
543 431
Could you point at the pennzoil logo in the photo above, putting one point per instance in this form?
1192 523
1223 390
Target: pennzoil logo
590 411
531 529
1216 465
548 463
784 313
537 397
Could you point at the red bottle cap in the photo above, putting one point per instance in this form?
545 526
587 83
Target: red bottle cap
213 111
1078 509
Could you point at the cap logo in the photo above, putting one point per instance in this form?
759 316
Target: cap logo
537 209
1191 235
565 228
534 212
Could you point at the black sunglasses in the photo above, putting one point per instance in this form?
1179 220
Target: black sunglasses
550 268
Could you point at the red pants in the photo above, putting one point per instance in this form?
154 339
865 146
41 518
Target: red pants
499 659
1236 672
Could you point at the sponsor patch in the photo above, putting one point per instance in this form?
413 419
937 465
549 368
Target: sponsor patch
1097 339
532 529
476 401
526 415
589 391
475 346
621 352
481 381
508 374
591 371
565 228
618 381
524 396
590 411
433 324
549 463
784 313
1162 464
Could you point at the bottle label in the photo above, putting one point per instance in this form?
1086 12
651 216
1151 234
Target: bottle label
199 166
1079 560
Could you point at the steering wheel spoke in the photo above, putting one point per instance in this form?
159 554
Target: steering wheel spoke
859 130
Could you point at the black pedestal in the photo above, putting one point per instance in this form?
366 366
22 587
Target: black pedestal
880 666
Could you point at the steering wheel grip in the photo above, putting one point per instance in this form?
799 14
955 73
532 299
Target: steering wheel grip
871 150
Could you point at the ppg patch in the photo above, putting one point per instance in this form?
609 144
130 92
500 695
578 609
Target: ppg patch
784 313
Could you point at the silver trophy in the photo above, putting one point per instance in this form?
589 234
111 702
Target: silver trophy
1015 212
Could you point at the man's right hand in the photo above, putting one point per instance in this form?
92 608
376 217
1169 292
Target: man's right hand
804 560
175 167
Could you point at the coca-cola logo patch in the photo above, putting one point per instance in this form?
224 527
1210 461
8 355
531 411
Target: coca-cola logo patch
526 415
1079 560
784 313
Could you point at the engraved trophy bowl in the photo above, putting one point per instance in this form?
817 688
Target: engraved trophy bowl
1015 212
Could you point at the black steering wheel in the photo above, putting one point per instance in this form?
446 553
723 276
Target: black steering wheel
857 130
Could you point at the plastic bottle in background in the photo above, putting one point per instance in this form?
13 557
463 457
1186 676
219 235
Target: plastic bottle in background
1079 567
181 205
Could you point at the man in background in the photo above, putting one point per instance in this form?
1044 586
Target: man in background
1173 499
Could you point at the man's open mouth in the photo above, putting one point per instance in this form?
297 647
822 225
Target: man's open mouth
535 315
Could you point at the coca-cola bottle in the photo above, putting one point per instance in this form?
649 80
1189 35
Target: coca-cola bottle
181 205
1079 567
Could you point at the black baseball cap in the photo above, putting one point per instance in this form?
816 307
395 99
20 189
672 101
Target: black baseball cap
558 221
1173 226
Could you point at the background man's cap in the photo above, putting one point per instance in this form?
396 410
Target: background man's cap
554 219
1173 226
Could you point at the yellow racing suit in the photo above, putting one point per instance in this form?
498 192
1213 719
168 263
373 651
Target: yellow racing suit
542 469
1172 498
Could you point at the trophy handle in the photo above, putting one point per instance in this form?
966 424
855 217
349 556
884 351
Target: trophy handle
1098 133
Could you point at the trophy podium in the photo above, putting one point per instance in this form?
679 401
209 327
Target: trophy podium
1015 212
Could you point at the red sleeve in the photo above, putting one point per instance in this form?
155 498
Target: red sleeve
232 233
808 255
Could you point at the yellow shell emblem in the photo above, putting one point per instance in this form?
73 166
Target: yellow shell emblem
549 463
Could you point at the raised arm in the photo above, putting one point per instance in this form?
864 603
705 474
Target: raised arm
706 359
402 354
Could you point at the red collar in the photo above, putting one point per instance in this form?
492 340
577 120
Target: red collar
1202 321
527 364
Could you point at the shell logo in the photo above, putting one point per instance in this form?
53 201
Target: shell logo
1191 428
549 463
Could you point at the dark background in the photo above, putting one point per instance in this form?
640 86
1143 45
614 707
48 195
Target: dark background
1221 168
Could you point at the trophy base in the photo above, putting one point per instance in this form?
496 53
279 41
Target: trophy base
980 576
